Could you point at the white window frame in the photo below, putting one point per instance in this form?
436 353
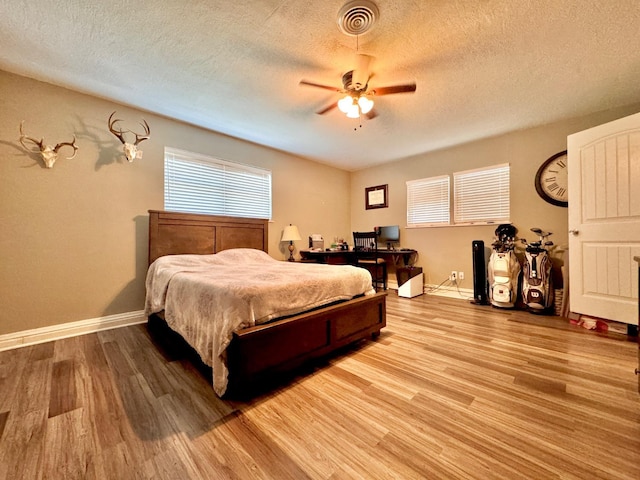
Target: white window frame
197 183
428 202
482 196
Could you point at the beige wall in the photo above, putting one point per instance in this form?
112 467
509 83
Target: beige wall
444 249
74 238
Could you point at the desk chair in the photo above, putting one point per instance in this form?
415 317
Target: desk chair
365 246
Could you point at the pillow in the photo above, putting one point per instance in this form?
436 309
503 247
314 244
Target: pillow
184 260
243 255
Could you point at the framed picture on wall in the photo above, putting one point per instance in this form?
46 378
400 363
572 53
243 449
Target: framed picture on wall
376 197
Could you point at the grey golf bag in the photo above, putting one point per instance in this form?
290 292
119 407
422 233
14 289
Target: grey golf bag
537 282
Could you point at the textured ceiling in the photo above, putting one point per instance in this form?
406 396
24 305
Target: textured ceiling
483 67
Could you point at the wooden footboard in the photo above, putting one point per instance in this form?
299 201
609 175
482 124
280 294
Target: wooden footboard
260 352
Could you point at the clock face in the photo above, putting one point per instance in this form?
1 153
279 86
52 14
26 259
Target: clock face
552 181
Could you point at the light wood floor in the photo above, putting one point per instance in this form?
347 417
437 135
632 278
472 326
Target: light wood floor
449 390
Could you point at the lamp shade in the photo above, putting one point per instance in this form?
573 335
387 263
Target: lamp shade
290 234
345 103
365 104
354 111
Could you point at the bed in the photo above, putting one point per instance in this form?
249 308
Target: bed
260 346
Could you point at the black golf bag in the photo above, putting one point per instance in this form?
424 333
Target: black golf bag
504 268
537 281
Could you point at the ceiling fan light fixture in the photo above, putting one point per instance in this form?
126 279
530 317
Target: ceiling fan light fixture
354 111
345 103
365 104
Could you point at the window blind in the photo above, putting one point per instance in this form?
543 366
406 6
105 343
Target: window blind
428 201
482 195
197 183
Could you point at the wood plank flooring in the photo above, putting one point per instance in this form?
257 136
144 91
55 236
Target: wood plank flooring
449 390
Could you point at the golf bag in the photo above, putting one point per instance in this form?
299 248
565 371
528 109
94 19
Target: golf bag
504 268
537 282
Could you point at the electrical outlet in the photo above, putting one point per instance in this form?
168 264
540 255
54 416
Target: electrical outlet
460 275
453 275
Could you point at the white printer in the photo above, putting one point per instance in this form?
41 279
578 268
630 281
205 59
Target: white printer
316 242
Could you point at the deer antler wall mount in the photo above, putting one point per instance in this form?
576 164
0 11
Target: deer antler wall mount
131 151
48 153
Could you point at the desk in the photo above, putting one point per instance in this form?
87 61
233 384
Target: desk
397 257
394 258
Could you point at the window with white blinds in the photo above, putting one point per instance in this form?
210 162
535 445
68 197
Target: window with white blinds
481 195
196 183
428 201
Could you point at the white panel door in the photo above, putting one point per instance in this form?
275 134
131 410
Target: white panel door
604 220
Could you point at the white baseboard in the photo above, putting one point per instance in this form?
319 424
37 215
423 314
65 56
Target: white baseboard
450 292
444 291
71 329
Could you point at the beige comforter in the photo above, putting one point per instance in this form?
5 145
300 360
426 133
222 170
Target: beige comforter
206 298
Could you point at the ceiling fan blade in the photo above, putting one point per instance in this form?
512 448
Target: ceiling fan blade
327 109
371 114
318 85
408 88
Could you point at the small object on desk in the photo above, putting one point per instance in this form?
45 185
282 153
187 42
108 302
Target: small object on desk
316 242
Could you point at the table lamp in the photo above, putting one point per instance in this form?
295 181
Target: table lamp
290 234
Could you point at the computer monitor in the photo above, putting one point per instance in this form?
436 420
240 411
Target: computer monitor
388 236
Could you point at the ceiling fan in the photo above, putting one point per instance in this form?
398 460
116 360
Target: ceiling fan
358 98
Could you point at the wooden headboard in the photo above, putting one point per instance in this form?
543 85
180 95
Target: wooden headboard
172 233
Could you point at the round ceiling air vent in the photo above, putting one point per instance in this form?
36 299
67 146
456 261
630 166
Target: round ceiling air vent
357 17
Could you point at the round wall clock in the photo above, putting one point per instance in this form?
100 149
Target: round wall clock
552 180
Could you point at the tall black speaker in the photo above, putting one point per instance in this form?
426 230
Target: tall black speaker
479 273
